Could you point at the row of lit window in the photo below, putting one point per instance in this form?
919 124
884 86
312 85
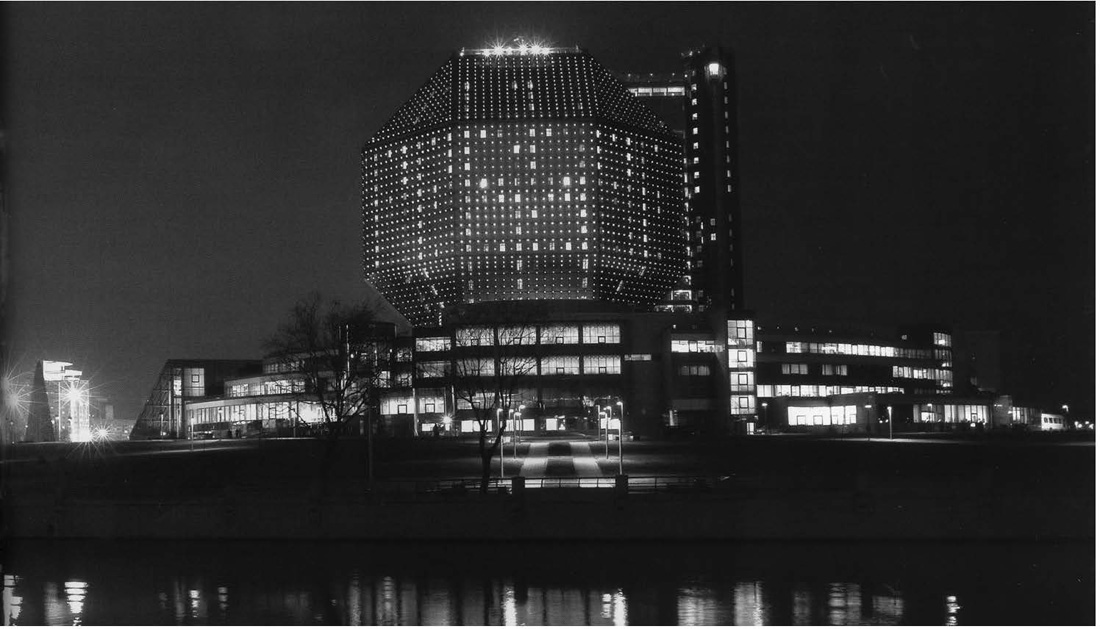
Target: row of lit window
694 370
499 130
921 373
821 415
520 215
526 366
522 79
855 349
953 413
428 146
803 369
819 390
270 387
488 239
497 99
557 334
530 113
566 181
518 283
202 418
694 346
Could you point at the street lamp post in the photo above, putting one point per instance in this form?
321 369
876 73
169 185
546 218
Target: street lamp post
867 407
501 433
515 431
622 433
890 413
607 435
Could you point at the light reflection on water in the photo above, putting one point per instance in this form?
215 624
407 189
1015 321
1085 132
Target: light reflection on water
549 584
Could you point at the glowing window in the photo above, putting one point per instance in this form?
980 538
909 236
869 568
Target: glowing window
600 333
602 365
558 335
560 365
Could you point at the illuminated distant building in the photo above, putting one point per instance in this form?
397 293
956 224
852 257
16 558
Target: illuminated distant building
701 103
539 224
59 405
710 150
70 400
522 172
179 382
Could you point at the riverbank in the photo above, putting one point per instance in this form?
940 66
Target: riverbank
771 488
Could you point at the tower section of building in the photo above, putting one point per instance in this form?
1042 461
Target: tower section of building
710 176
521 173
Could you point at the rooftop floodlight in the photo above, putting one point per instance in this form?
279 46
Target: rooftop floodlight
498 50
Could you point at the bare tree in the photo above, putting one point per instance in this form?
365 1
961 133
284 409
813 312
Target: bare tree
337 357
491 363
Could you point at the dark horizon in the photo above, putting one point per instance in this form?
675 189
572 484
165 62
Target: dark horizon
177 177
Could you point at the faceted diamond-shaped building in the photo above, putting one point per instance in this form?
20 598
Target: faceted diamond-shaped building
522 173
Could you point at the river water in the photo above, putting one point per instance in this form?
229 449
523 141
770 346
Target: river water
561 583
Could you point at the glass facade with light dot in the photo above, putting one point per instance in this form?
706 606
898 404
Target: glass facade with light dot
515 175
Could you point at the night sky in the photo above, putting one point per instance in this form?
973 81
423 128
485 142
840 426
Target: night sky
179 174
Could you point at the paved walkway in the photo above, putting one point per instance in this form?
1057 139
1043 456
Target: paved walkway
583 460
560 459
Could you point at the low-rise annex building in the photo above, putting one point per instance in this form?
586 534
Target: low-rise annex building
579 366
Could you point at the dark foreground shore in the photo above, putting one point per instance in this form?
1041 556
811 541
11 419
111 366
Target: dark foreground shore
778 488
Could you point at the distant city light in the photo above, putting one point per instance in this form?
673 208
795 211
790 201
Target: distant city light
14 402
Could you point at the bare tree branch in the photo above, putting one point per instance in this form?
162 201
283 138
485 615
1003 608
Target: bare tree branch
491 363
341 354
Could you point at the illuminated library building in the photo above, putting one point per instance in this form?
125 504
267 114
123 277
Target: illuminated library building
538 222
